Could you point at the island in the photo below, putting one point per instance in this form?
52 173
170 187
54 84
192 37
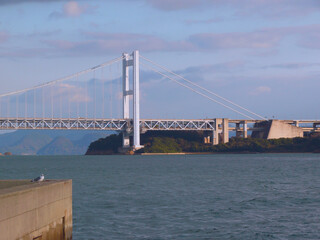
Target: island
193 142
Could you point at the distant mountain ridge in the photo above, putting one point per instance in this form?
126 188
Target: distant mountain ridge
49 142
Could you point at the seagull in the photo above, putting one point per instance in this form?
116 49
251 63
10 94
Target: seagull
38 179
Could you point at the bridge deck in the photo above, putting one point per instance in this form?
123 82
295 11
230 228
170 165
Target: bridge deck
105 124
127 124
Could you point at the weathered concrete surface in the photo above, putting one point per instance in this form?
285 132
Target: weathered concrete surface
35 210
275 129
280 129
221 133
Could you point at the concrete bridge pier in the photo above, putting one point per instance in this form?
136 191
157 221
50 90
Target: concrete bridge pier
225 130
245 129
238 130
221 131
125 139
242 129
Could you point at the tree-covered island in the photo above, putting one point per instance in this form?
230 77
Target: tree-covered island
193 142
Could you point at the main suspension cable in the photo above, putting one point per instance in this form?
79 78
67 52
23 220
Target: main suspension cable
64 78
196 91
204 89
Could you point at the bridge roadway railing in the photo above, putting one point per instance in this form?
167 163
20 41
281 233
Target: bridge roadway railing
105 124
127 124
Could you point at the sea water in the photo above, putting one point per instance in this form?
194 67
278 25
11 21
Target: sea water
257 196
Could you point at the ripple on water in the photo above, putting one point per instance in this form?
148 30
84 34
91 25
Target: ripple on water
275 196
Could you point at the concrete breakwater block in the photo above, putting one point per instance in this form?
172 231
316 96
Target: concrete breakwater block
35 210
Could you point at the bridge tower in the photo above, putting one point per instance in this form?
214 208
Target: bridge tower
131 61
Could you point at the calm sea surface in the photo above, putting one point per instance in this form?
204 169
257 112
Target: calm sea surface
263 196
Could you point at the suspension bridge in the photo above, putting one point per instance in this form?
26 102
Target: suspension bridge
110 100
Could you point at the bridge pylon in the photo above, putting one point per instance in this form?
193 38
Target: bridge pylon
131 60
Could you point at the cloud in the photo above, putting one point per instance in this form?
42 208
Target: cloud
3 37
260 42
171 5
292 65
311 39
106 43
25 52
205 21
256 39
72 9
266 39
97 43
261 90
211 73
275 8
75 94
11 2
270 8
266 8
37 34
200 73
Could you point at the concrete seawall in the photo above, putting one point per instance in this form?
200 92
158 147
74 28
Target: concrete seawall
41 211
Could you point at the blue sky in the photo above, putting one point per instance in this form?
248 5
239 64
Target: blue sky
262 54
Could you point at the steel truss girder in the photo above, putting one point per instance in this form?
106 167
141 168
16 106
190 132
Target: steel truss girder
196 125
105 124
64 124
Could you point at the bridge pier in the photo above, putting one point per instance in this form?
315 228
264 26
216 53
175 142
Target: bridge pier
225 130
125 140
220 133
242 129
245 129
216 131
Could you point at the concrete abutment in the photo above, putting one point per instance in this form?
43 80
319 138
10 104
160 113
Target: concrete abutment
35 210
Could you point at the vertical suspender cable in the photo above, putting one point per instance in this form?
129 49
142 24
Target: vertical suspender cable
34 103
78 99
42 99
8 107
95 105
17 107
69 105
204 89
51 101
25 105
60 100
102 80
111 86
86 99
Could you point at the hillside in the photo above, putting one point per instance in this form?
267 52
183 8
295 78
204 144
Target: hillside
59 146
30 144
48 142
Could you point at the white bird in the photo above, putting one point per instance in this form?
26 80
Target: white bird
38 179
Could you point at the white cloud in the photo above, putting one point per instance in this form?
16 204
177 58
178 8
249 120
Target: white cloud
72 9
261 90
75 94
3 37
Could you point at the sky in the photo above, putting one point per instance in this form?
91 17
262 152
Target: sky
261 54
